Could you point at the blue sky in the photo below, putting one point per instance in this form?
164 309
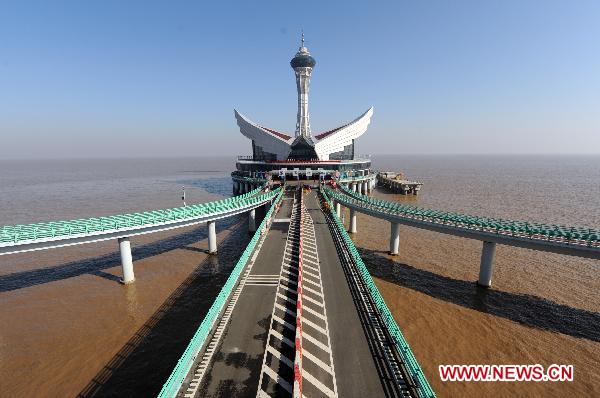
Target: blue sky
119 79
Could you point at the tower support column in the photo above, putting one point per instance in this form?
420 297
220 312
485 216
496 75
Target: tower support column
338 209
126 260
252 220
212 237
394 238
352 221
487 264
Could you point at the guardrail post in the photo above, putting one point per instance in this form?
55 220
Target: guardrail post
212 237
252 220
394 238
352 221
487 264
126 260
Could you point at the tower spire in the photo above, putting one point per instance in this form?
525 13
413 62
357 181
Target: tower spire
303 65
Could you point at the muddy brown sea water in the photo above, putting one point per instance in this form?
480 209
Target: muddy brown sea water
542 308
67 326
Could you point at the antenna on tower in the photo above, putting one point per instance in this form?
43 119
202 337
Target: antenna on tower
302 38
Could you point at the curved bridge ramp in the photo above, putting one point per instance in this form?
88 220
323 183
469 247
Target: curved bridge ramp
561 239
341 347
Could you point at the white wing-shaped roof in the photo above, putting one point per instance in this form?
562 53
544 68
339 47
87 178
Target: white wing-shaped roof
335 140
270 140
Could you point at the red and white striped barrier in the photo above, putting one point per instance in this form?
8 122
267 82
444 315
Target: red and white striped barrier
298 358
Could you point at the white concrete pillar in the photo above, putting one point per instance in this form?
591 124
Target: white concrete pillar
126 260
252 220
352 221
487 264
338 209
394 238
212 237
354 187
364 187
236 187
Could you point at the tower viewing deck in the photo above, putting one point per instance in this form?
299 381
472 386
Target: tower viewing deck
303 155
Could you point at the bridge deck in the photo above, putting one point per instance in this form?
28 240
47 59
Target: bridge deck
354 365
235 366
340 355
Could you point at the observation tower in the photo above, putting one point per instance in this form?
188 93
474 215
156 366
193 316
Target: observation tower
303 155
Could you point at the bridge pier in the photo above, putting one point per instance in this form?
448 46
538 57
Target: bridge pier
487 264
352 221
252 220
126 260
394 238
212 237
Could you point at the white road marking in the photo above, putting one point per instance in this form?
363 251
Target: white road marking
316 361
322 387
283 338
315 313
280 356
278 379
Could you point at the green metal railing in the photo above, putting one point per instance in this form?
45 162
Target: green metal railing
357 178
523 229
252 180
31 232
416 373
184 364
